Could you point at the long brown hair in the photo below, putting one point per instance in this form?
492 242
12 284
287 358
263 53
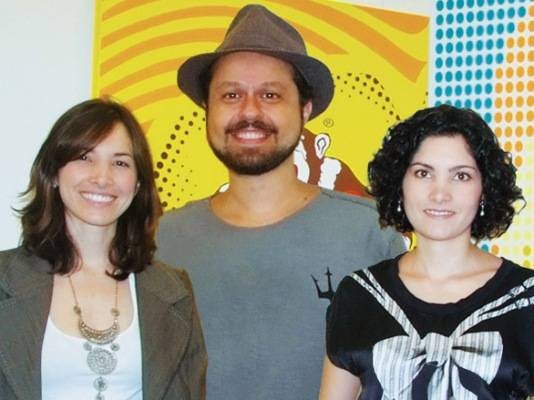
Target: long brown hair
76 132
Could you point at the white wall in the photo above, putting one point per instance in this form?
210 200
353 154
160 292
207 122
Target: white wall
46 48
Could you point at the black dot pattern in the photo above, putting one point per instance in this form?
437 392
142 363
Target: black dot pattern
371 89
172 175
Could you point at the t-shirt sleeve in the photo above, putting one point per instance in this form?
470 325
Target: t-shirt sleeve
342 326
397 244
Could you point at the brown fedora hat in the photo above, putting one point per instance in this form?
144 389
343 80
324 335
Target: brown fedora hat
257 29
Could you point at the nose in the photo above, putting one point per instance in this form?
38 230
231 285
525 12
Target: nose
440 191
101 174
250 108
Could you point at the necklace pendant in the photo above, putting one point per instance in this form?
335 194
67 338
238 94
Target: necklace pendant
100 384
101 361
99 336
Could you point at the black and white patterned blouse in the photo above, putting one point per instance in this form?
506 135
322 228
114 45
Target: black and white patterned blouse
402 348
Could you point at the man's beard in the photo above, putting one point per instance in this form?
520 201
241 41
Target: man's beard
252 161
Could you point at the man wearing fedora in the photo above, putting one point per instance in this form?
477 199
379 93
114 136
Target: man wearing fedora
265 255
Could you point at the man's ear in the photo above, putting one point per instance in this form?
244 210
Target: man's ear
306 111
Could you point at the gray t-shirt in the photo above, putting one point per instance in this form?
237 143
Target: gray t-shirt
262 292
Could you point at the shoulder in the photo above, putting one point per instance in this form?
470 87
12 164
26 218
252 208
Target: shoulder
171 272
21 270
21 259
379 271
164 280
381 268
8 256
183 220
354 301
359 215
515 273
352 202
193 208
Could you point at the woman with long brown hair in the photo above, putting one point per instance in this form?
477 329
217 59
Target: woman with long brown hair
86 312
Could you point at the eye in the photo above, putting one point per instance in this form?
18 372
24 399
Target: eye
422 173
271 96
122 163
462 176
83 157
230 96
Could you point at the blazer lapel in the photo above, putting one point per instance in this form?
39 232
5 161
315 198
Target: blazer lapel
23 313
164 316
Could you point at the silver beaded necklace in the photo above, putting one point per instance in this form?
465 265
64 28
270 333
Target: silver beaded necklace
99 359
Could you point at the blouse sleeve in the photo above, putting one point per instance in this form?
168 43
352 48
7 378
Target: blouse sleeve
342 325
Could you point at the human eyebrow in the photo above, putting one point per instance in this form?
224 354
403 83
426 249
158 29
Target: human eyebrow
227 84
421 164
460 167
123 154
272 85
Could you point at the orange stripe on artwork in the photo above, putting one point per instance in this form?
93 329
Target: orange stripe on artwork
160 19
408 23
197 35
138 76
319 41
164 93
146 125
124 6
407 65
173 39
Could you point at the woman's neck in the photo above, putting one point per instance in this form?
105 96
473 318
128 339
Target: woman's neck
93 245
443 259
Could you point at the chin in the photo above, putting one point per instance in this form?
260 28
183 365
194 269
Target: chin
443 235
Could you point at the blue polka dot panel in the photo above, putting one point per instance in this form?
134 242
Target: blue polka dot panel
483 59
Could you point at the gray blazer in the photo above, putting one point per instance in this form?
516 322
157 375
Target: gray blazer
173 352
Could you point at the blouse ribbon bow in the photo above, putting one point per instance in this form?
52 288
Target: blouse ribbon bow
398 360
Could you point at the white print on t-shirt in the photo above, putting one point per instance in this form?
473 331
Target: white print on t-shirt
398 360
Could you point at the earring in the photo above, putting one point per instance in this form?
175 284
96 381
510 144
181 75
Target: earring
399 206
482 213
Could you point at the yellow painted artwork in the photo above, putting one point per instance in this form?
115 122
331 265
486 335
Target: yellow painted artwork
378 59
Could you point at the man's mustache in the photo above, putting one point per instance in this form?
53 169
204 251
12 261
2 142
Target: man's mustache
244 124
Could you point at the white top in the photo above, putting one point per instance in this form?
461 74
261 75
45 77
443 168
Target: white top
65 374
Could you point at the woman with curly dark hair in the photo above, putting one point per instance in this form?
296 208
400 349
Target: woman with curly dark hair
445 320
86 312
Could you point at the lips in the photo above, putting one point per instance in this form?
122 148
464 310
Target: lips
250 135
256 126
439 213
98 197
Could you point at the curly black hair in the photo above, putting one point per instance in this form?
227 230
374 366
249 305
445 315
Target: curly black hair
387 169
